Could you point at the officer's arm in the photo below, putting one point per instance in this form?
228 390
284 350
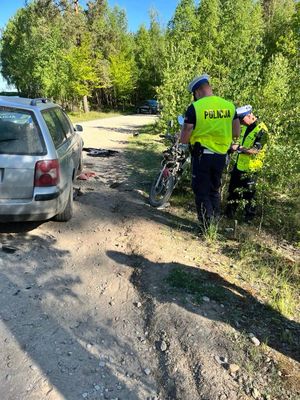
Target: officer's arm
251 151
236 129
186 132
258 144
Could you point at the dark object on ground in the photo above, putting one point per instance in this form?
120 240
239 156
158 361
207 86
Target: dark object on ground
148 107
77 193
93 152
8 249
115 185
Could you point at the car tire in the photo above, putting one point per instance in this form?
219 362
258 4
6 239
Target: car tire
67 213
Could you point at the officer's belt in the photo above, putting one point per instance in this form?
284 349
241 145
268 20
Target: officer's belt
197 149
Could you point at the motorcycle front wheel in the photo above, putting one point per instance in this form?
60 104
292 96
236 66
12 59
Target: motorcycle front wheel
161 190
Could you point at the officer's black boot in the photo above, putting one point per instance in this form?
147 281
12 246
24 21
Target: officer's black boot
250 212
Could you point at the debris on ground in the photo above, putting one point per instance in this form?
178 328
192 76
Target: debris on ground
8 249
163 346
233 368
254 339
94 152
163 207
114 185
85 176
77 192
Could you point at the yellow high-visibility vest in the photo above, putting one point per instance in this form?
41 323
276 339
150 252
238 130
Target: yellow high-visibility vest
252 162
213 130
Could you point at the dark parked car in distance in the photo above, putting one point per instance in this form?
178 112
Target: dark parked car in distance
148 107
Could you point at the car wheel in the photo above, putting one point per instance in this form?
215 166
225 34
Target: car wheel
67 213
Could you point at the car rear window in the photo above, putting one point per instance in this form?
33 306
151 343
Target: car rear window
19 133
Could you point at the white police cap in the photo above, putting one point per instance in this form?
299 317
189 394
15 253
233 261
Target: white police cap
243 111
198 81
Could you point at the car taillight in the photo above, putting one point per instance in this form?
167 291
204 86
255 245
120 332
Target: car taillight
46 173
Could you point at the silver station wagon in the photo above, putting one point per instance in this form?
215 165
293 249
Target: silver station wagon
40 156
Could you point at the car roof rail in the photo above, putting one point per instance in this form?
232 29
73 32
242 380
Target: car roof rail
38 100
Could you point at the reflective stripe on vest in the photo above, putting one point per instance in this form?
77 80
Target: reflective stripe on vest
251 162
213 129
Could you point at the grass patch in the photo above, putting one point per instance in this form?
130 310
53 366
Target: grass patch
144 156
210 230
275 277
198 285
282 217
82 117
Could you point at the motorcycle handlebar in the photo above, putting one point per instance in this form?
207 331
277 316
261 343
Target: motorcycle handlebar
170 137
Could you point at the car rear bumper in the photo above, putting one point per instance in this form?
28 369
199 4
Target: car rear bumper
44 205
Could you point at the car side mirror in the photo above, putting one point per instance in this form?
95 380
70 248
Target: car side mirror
78 128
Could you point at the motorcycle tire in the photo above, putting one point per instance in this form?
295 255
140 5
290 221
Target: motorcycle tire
160 195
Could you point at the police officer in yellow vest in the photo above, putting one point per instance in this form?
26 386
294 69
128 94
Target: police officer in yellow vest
209 127
251 152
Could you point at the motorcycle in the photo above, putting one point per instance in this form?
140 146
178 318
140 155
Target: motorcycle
176 160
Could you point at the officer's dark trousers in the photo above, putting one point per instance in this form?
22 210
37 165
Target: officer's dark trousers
206 181
241 187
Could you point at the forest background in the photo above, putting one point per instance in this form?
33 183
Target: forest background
87 58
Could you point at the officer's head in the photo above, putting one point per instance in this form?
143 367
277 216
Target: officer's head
200 87
246 115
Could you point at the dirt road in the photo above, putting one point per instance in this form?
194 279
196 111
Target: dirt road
86 311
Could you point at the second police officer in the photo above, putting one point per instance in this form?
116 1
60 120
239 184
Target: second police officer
251 153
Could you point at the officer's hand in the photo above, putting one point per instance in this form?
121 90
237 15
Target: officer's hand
234 147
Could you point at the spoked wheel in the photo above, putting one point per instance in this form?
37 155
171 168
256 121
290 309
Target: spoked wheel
161 189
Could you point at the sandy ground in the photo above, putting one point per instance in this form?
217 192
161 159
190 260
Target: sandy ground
85 309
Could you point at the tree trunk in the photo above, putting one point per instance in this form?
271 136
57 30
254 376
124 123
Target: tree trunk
85 104
98 99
